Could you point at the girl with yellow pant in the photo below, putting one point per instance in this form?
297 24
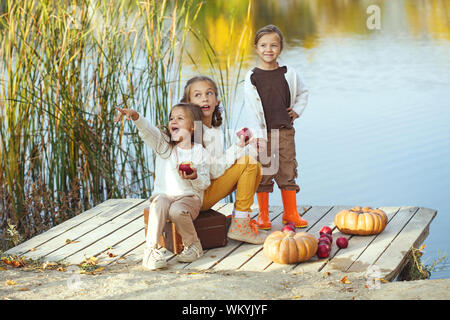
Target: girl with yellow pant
230 170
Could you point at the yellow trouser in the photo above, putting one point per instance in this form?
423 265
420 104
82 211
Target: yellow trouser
243 176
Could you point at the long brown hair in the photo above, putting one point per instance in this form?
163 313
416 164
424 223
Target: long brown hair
195 115
217 115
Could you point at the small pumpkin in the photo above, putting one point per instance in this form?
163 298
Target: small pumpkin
289 247
361 221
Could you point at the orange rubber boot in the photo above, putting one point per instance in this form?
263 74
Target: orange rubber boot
263 220
290 213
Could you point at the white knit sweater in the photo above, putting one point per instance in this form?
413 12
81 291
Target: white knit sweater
167 179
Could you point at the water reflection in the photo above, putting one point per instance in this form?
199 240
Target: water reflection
375 131
305 22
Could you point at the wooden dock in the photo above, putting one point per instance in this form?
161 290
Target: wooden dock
114 233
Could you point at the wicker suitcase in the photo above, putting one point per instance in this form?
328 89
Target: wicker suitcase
211 227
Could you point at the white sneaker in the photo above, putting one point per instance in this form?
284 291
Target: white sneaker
153 259
191 253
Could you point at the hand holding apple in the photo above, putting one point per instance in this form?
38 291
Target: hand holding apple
186 167
187 170
246 133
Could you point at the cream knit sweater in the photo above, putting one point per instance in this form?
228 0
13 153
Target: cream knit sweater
167 179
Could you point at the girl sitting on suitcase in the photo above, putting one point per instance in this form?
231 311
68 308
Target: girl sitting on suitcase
177 194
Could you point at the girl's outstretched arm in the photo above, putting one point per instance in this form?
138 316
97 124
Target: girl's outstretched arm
129 113
151 135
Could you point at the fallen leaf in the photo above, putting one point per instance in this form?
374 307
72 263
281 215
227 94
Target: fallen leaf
48 264
345 280
422 247
383 280
61 269
91 260
24 289
327 274
32 249
111 255
10 283
296 297
3 269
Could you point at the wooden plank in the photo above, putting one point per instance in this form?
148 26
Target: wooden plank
43 238
313 264
117 234
413 234
343 259
259 262
129 249
381 241
89 238
246 250
132 248
75 233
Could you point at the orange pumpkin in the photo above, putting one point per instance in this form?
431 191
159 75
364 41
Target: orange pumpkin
289 247
361 221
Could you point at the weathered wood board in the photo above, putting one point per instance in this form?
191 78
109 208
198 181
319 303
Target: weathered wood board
113 231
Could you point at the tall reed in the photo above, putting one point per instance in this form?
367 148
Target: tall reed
226 56
63 70
225 60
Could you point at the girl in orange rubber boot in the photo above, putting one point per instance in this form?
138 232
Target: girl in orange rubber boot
277 97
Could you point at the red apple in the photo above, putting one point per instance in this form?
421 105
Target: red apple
287 228
325 239
326 229
291 225
323 251
186 167
245 132
324 243
342 242
328 236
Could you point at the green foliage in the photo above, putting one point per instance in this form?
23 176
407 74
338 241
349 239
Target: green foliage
63 71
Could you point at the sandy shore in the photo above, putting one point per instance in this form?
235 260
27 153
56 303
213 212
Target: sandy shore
130 281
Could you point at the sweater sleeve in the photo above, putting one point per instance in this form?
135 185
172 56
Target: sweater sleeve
254 121
203 172
152 136
301 98
221 161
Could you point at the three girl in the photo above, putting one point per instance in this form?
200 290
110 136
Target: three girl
176 196
277 97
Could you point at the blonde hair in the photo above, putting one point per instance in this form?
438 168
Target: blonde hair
217 116
266 30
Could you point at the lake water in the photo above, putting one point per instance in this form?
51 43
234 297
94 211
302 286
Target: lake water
376 131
